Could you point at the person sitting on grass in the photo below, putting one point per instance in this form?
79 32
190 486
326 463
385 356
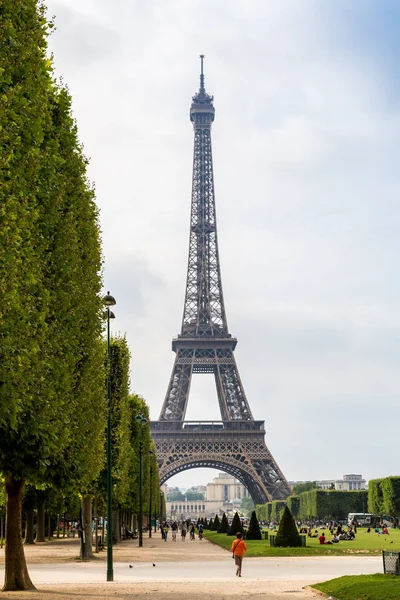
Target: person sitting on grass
335 539
322 538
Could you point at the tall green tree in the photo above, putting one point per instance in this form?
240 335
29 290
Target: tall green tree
50 322
375 496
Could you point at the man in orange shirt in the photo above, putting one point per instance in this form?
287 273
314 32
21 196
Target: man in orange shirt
238 549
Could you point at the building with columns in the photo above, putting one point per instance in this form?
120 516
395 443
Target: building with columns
223 494
348 483
225 488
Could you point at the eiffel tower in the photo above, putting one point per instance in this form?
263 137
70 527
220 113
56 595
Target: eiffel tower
236 444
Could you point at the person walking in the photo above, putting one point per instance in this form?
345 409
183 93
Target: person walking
238 549
183 531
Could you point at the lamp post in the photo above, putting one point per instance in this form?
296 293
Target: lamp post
141 420
109 301
151 487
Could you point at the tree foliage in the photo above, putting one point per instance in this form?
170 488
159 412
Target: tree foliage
277 507
224 525
331 504
287 534
236 525
51 373
375 496
254 531
247 505
305 486
216 524
384 496
293 503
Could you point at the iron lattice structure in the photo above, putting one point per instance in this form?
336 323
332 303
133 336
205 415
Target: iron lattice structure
236 444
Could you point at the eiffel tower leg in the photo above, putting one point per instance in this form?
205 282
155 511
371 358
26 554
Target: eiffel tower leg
231 395
176 399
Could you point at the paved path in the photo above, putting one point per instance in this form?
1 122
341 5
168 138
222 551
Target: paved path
308 569
183 571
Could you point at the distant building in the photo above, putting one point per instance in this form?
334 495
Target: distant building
225 488
223 494
349 483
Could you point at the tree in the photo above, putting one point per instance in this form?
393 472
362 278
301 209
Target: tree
375 496
216 524
254 531
193 496
176 496
287 534
293 503
211 524
236 525
299 488
224 526
391 496
51 411
247 505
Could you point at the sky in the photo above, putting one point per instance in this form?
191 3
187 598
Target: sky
306 167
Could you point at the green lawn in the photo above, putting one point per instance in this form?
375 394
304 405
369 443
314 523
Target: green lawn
362 587
365 543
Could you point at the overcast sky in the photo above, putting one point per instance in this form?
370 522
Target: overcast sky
306 165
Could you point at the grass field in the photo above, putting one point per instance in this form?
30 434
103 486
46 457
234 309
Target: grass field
365 543
362 587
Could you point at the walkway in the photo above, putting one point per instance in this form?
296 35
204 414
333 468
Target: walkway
182 571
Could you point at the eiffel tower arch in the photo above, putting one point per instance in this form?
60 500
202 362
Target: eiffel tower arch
235 444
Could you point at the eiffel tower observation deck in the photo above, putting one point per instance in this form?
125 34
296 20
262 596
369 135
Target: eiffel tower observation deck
236 444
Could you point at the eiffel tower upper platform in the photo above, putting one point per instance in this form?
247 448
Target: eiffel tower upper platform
236 443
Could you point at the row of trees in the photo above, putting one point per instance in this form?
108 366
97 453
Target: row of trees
52 357
384 496
316 504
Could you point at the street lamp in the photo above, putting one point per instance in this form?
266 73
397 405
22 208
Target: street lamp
141 420
151 486
109 301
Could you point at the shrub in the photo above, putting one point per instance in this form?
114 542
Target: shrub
216 524
210 524
236 525
223 528
254 531
287 535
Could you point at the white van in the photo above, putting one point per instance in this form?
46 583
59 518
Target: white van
368 519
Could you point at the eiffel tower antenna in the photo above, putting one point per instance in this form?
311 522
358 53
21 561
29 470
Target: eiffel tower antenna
236 443
202 89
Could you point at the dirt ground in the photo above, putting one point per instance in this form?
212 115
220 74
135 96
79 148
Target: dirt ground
154 550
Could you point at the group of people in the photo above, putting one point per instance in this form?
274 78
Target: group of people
184 527
337 535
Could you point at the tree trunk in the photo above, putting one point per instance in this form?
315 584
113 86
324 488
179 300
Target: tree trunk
40 523
29 527
115 527
96 526
86 546
49 528
16 572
